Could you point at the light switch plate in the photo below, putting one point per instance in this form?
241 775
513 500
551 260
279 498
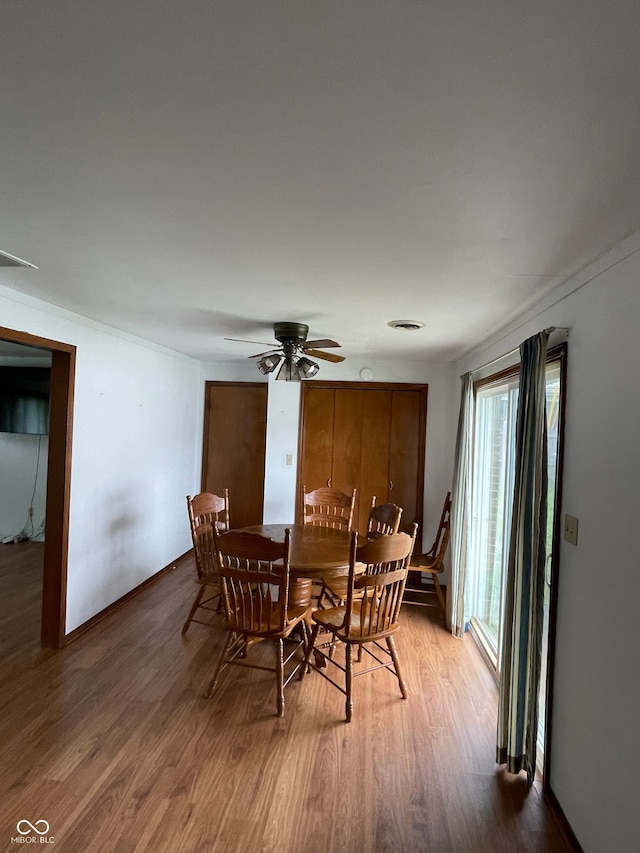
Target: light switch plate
571 529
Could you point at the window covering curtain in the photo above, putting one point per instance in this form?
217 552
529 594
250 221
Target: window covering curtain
24 414
461 511
521 642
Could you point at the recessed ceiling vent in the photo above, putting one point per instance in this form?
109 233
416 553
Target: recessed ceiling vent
7 260
406 325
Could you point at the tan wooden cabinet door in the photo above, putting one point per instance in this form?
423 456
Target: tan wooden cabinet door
368 436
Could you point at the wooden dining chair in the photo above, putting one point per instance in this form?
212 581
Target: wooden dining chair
370 617
328 507
206 508
383 519
430 564
254 577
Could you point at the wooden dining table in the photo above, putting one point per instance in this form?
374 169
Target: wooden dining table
315 552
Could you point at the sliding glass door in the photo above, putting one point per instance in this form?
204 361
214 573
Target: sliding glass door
495 418
496 403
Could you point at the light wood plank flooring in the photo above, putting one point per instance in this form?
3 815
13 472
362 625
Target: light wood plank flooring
111 741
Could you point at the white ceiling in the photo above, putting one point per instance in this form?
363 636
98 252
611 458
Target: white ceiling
189 170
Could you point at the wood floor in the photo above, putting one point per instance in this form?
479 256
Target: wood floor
112 743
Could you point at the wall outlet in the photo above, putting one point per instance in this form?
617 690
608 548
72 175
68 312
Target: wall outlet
571 529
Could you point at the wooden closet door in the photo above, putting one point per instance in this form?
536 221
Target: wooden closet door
235 427
368 436
315 465
406 457
347 431
374 453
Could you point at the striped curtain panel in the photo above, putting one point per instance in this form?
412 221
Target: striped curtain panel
461 512
521 643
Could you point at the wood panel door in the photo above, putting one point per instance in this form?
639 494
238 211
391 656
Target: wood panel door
368 436
406 456
233 457
374 452
347 431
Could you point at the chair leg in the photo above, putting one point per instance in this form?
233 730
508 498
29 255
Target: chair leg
194 607
223 654
280 674
305 636
306 631
348 656
436 583
310 644
332 648
391 644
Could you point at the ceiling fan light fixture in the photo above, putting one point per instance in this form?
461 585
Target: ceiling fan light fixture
289 371
307 367
268 364
290 353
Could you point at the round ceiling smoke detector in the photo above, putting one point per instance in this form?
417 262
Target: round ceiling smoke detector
406 325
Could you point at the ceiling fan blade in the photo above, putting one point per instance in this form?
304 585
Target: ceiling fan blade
243 341
326 356
325 343
268 352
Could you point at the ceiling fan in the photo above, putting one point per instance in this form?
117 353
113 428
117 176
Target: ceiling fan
291 355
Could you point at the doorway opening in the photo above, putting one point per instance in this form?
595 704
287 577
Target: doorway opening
56 528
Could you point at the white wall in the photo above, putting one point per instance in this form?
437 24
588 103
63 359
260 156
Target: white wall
136 438
596 737
283 421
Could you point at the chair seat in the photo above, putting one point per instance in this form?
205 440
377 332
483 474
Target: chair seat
426 564
333 618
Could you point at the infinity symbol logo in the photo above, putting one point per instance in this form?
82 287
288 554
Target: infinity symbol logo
31 827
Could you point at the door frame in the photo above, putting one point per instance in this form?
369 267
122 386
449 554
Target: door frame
56 544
